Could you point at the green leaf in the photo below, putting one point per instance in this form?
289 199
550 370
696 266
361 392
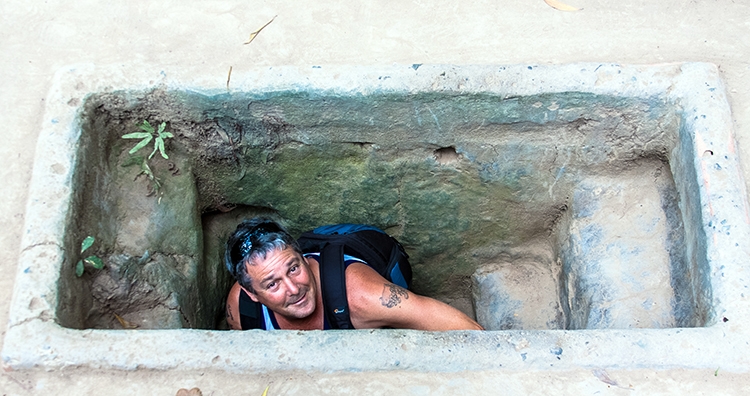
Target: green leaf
156 147
79 268
94 261
136 135
166 135
132 160
147 127
87 243
143 143
161 127
160 144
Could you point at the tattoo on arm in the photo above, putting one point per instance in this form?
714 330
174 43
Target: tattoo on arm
392 295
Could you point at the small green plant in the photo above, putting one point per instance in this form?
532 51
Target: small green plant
148 134
92 260
145 170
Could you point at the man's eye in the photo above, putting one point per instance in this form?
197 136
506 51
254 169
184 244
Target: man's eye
270 285
293 268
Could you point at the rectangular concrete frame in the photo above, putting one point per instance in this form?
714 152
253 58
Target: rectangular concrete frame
705 165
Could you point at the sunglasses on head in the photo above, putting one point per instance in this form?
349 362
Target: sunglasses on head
244 246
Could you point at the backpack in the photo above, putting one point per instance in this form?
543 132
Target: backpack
379 250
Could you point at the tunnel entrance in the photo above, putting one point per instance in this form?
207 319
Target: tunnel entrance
544 199
547 211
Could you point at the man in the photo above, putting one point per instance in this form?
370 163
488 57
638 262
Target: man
270 269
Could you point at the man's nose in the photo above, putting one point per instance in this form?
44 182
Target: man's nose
291 287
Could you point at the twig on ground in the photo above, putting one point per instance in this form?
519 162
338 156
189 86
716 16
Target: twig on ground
255 33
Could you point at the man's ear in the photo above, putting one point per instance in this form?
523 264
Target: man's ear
250 294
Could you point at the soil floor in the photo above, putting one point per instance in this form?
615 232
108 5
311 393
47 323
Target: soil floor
190 37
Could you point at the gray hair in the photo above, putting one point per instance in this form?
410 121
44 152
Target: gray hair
254 239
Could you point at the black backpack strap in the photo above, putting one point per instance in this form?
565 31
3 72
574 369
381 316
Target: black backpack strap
333 286
251 313
380 251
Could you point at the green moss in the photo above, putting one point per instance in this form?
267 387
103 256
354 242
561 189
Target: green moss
315 158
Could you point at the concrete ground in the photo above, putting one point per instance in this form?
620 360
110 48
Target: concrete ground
206 37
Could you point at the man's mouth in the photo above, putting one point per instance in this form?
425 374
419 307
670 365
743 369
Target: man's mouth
300 300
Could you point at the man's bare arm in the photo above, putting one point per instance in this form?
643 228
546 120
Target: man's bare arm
233 308
375 302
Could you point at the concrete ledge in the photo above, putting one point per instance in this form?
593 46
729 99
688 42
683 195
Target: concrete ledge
43 343
713 183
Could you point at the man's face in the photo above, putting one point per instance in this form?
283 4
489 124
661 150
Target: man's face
283 282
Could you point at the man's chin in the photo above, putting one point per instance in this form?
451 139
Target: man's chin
302 309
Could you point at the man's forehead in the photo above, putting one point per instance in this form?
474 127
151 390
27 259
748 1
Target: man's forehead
273 258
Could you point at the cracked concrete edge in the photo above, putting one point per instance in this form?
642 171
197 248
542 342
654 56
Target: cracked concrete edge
74 82
33 340
43 344
34 292
724 207
47 208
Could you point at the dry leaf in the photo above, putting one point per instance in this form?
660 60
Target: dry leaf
558 5
124 323
191 392
255 33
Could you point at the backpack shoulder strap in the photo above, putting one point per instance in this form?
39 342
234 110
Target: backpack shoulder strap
333 286
380 251
251 313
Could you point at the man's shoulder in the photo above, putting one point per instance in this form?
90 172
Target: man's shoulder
362 279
